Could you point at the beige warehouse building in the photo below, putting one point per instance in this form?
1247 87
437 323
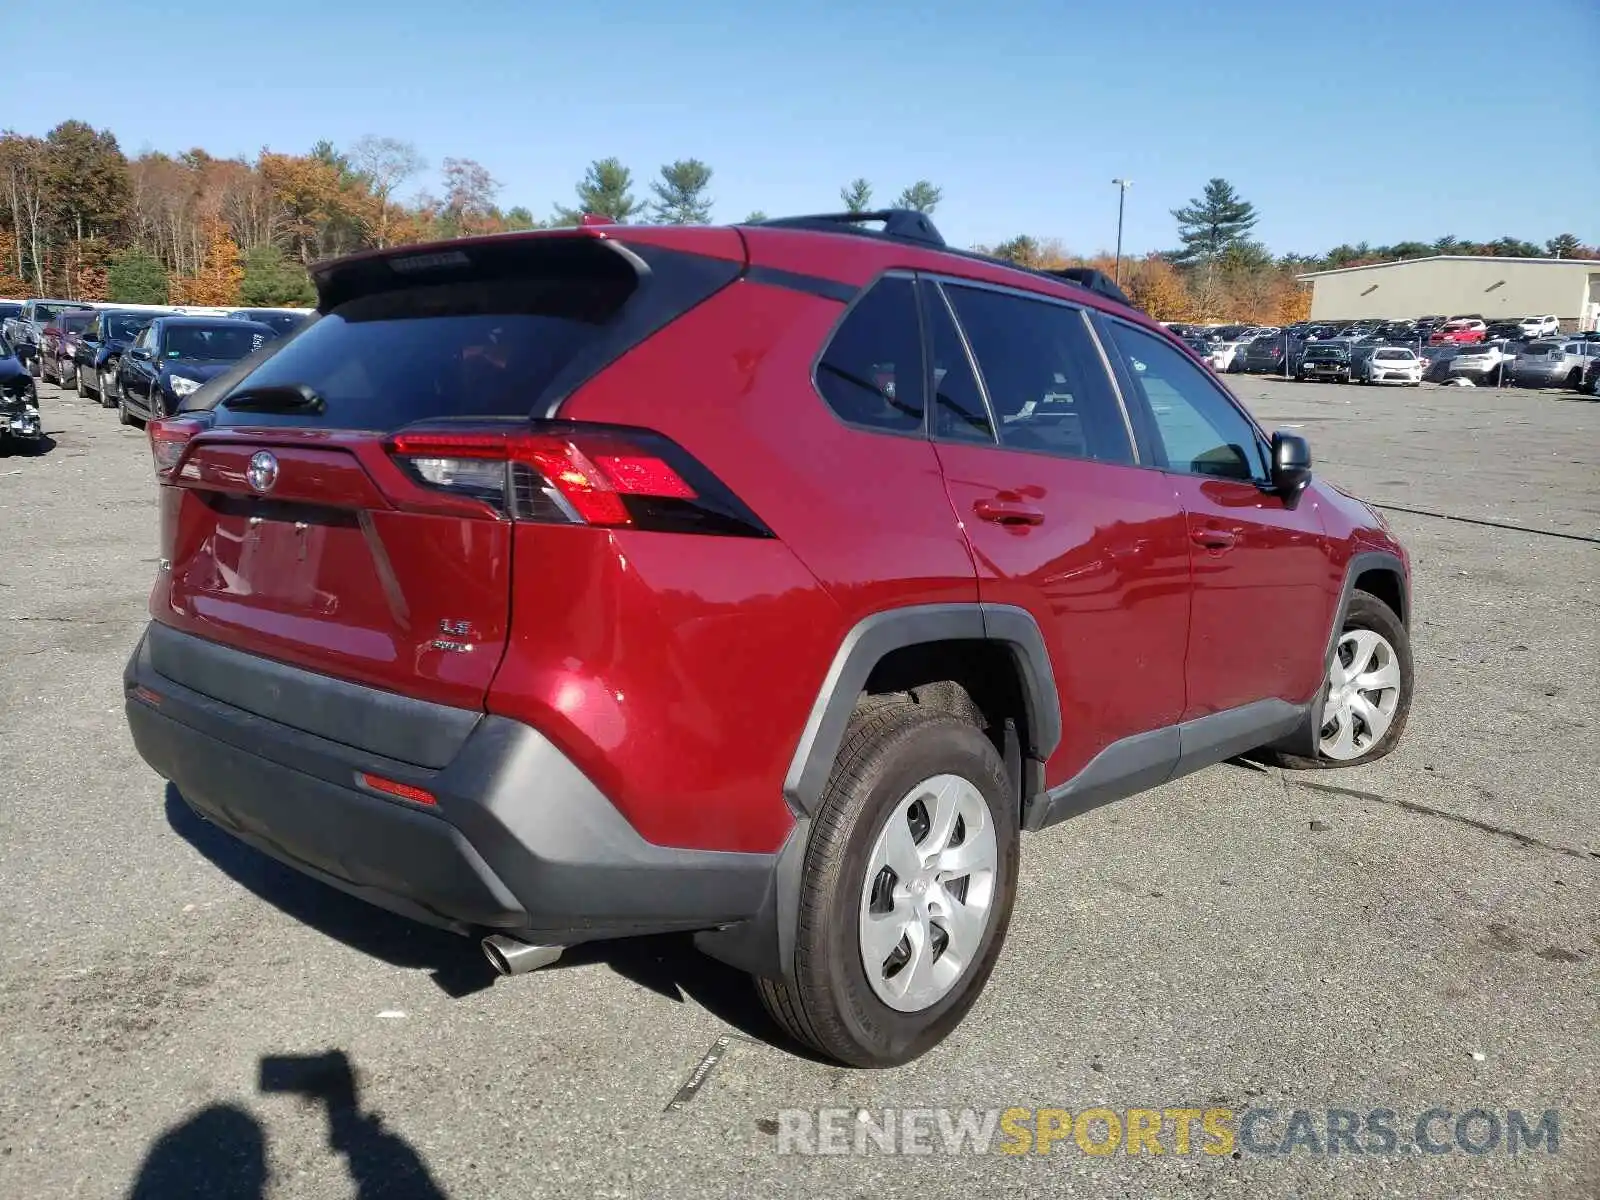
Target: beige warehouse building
1448 285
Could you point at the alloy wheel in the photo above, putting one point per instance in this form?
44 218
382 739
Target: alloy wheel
929 893
1363 694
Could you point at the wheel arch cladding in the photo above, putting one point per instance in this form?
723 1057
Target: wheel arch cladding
876 637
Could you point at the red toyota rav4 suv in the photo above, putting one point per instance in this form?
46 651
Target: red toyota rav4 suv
764 582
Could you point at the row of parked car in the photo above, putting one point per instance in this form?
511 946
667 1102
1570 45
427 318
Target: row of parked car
1406 352
140 359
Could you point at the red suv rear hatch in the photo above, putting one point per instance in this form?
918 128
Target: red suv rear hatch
293 525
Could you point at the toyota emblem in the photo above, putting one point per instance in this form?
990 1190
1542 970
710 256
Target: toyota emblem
263 471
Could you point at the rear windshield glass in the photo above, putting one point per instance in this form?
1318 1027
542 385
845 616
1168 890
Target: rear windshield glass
123 328
218 343
483 348
75 320
44 313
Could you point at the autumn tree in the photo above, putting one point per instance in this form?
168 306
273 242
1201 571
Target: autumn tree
606 190
856 195
1159 290
26 191
386 163
921 197
217 281
469 193
136 277
681 193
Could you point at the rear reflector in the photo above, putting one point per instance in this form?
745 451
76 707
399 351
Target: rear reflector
566 473
389 787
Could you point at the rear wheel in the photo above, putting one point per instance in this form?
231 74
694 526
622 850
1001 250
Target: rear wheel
907 890
1574 378
1368 690
76 386
108 387
124 417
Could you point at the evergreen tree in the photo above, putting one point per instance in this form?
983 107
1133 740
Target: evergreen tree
681 193
605 191
857 196
755 218
920 197
1563 245
135 277
1211 224
272 281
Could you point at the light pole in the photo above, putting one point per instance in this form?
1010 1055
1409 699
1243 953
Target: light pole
1122 194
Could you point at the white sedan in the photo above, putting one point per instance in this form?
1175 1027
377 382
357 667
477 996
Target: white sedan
1391 364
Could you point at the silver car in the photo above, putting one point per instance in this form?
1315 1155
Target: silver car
1554 363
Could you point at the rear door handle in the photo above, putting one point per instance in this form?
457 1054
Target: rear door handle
1008 512
1213 539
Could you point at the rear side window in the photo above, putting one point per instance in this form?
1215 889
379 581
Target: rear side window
871 372
1045 379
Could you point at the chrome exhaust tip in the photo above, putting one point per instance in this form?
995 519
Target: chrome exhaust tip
509 956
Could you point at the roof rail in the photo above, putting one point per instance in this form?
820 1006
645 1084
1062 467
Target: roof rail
902 224
1095 281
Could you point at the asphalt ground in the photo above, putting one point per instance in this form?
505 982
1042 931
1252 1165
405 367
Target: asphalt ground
1423 932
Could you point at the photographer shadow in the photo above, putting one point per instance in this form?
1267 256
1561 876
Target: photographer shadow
220 1153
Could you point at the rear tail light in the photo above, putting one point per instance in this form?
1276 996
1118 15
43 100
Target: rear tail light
563 473
168 437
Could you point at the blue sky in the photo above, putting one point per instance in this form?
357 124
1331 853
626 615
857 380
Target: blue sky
1356 120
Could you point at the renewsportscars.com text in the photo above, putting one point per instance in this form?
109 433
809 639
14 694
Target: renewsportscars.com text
1215 1132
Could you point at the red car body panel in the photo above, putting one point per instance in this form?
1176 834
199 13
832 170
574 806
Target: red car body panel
1105 574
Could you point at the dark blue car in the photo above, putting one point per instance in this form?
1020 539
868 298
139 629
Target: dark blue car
173 356
101 346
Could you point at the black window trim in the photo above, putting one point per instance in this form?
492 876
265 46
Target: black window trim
1146 419
910 276
1086 314
934 286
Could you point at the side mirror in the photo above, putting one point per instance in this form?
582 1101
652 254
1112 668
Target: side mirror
1291 466
140 353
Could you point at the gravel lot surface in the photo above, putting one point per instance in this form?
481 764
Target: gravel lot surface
1421 932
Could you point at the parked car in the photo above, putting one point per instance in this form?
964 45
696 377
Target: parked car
1555 363
1589 385
172 357
284 320
456 613
1273 353
19 403
1436 361
1390 364
1458 332
9 311
1224 354
1538 327
1486 362
101 345
1325 362
58 342
25 329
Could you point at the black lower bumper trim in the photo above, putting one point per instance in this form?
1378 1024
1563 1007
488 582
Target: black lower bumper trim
520 840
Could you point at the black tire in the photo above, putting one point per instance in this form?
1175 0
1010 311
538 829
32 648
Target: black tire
77 381
108 386
826 1000
124 417
1574 378
34 368
1368 612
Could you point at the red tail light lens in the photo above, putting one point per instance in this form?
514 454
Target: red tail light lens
168 437
565 473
